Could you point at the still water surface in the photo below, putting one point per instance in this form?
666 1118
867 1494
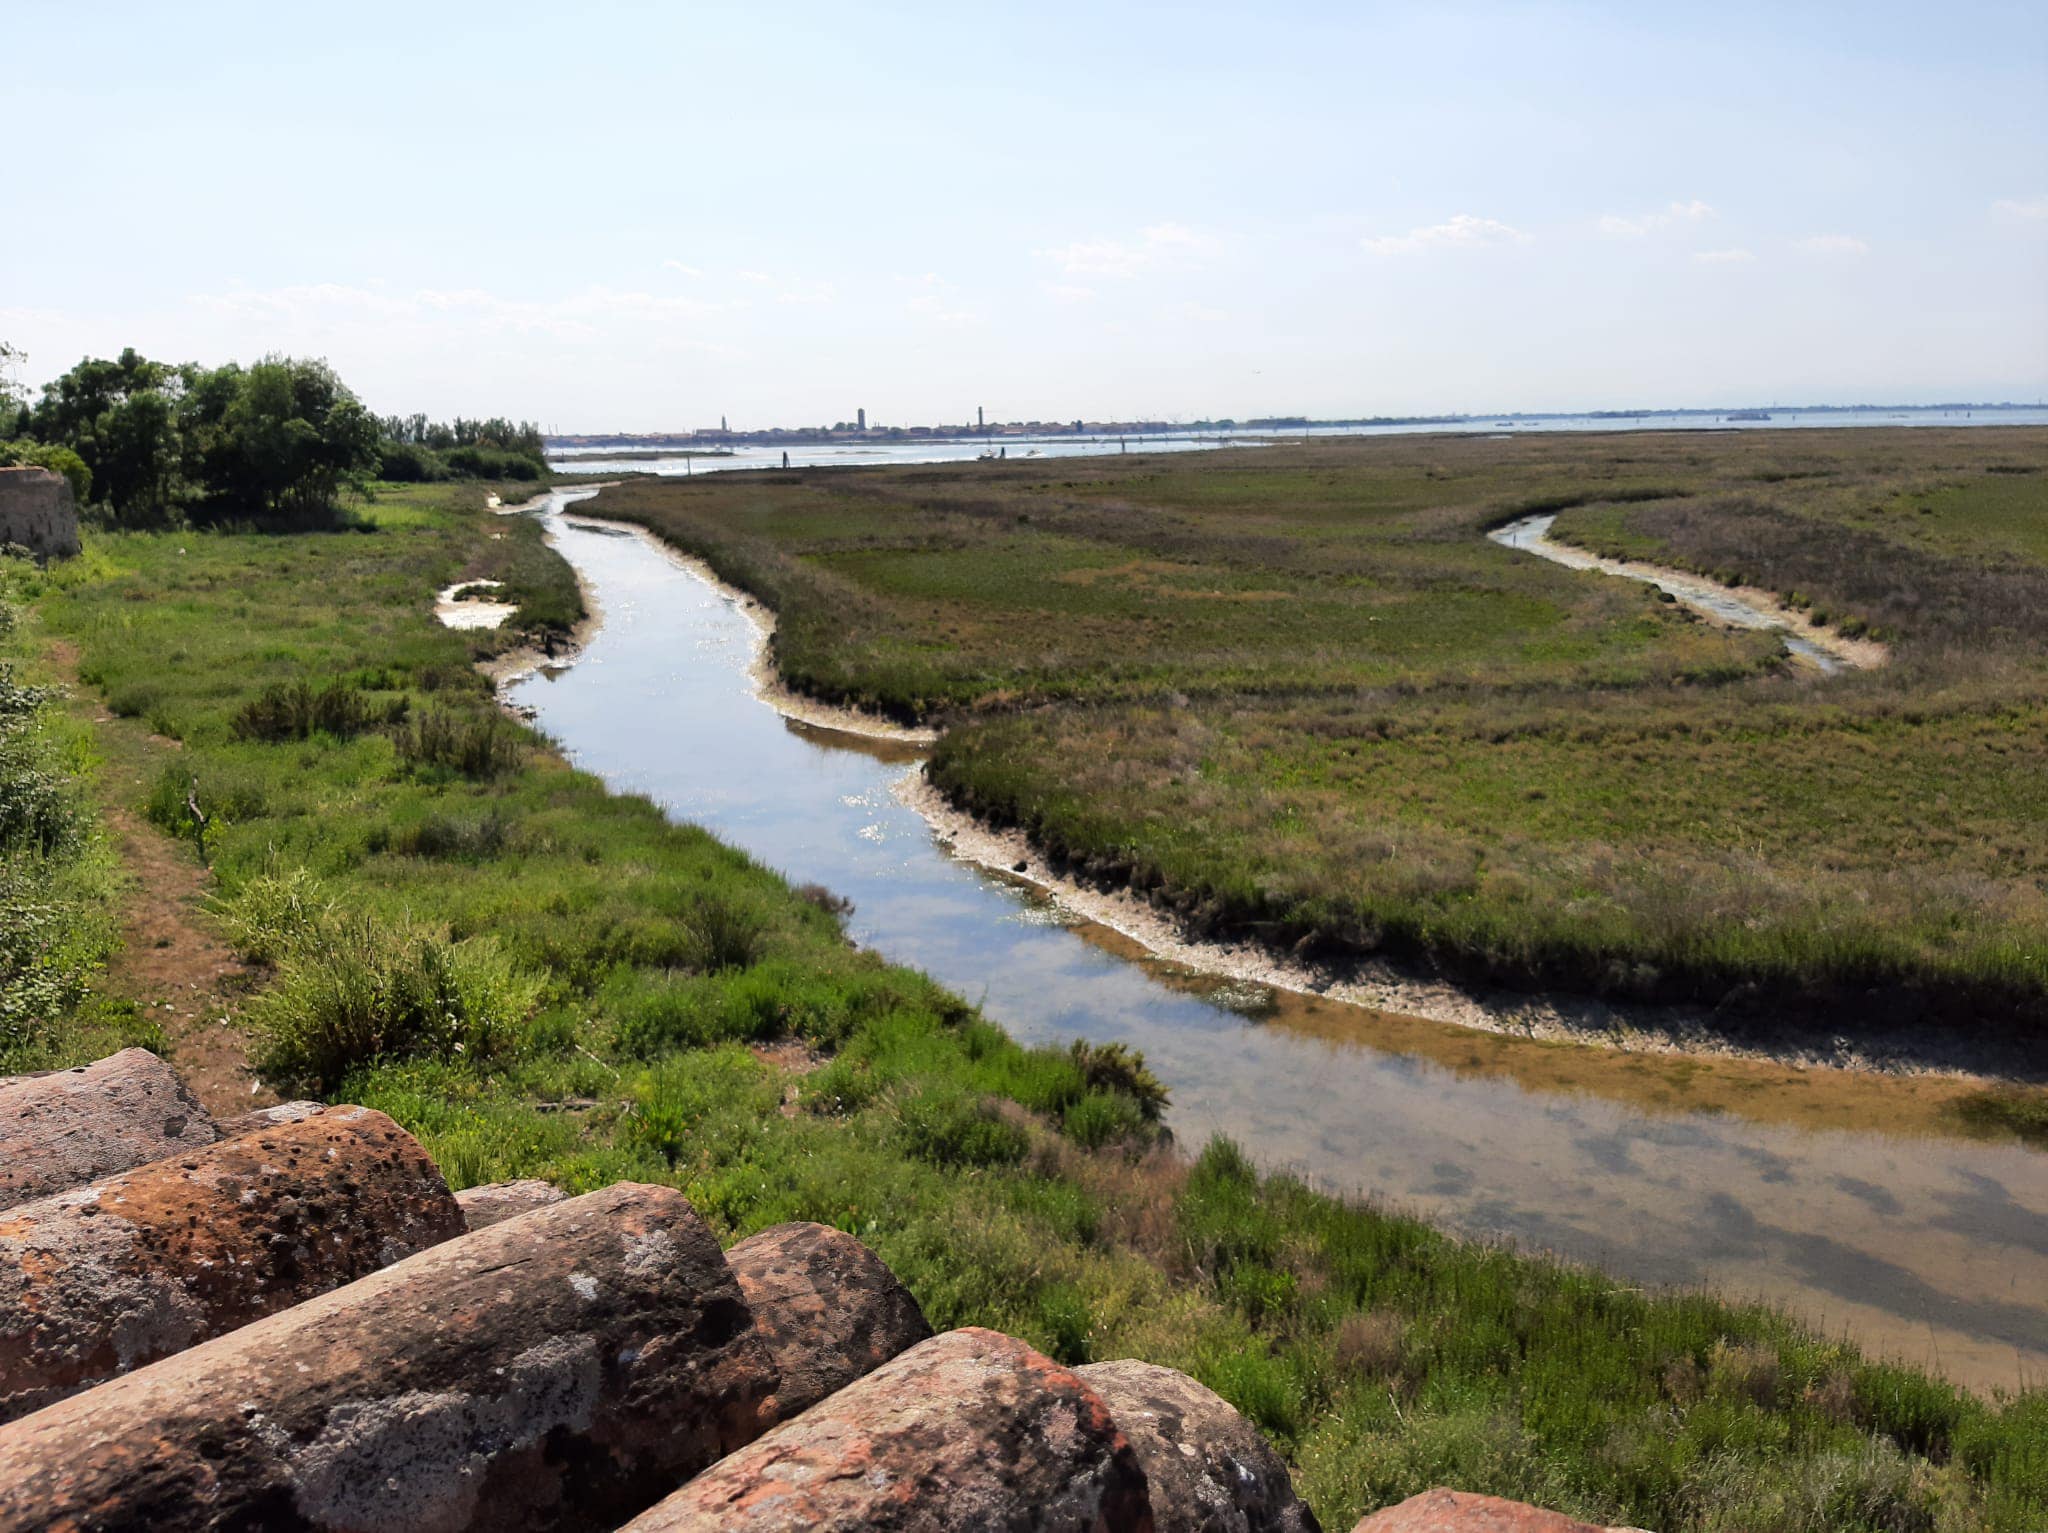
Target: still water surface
858 454
1916 1244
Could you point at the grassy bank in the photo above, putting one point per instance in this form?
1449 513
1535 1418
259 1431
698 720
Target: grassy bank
59 879
1296 693
543 978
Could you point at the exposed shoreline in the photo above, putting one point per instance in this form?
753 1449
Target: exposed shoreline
1372 985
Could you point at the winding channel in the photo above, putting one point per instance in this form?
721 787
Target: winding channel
1835 1194
1739 608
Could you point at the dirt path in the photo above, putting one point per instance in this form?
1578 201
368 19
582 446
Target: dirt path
171 965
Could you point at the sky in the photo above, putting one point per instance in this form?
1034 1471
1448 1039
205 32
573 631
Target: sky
648 217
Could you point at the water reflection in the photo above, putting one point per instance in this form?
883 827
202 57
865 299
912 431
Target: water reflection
1920 1246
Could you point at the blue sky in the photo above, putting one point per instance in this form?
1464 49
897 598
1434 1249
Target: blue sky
643 217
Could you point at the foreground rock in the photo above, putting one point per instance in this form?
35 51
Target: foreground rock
101 1279
273 1116
559 1370
73 1126
1457 1511
826 1308
495 1202
1210 1470
971 1430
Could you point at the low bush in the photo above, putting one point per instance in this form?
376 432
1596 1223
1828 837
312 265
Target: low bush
480 746
296 710
353 990
724 933
455 838
1113 1067
949 1127
273 914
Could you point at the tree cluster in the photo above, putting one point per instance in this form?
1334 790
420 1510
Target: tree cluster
157 444
414 449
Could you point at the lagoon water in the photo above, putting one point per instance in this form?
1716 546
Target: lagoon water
1913 1243
858 454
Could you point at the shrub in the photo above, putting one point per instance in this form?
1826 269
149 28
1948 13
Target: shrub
948 1127
409 463
1101 1118
354 991
1114 1067
492 463
273 914
441 837
295 711
724 934
35 988
478 746
39 808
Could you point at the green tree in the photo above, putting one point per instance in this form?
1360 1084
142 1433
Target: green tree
289 438
120 417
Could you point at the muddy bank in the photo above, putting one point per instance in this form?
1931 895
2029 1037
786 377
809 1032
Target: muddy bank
522 661
1387 988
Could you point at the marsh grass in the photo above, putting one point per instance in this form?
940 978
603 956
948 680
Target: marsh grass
607 976
1294 694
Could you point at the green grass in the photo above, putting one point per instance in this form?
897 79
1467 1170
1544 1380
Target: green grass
1295 693
59 879
541 978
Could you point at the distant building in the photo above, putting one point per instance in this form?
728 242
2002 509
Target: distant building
860 420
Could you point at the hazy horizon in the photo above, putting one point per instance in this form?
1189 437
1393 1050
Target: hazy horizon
643 220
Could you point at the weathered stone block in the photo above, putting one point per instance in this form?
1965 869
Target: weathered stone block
495 1202
73 1126
1209 1470
827 1308
1457 1511
559 1370
36 512
101 1279
970 1432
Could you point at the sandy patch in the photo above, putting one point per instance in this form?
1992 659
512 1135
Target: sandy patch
456 607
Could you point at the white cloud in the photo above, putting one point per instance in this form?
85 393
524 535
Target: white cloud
1631 227
2028 210
1734 257
941 309
755 276
1125 257
1833 245
807 292
687 270
1067 292
1462 231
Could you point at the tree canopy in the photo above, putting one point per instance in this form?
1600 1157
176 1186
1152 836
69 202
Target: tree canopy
278 443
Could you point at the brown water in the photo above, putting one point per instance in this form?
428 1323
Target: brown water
1848 1198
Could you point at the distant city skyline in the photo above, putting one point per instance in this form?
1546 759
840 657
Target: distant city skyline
636 217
